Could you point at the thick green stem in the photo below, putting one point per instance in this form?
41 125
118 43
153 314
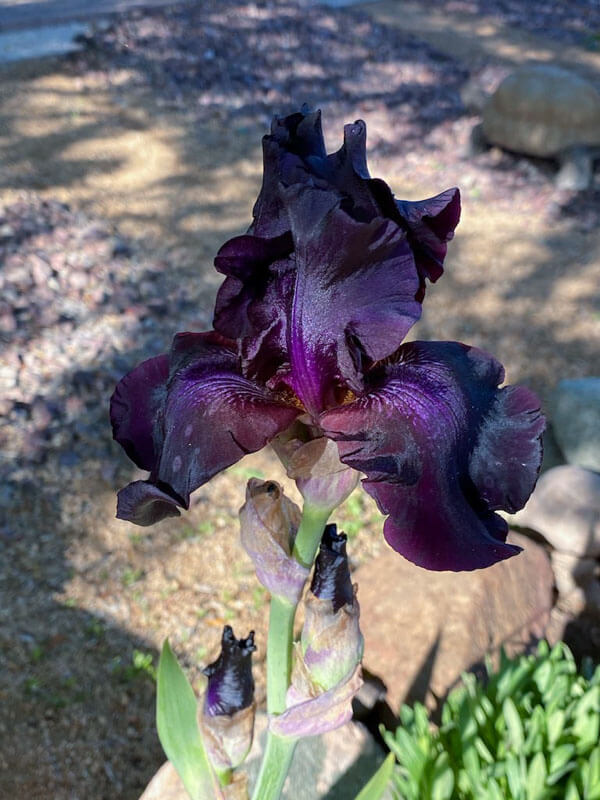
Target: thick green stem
309 534
274 768
278 752
279 653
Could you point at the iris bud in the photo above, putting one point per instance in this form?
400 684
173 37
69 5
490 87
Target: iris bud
326 673
313 462
269 522
226 716
331 644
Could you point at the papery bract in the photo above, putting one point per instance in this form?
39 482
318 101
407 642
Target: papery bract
318 297
320 714
269 522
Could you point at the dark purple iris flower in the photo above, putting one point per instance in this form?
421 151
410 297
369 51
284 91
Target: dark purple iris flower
318 297
230 682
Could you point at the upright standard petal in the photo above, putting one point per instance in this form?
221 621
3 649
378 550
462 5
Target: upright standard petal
443 447
210 417
353 296
319 218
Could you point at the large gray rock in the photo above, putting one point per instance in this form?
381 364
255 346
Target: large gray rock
575 411
334 766
577 583
565 509
542 110
422 629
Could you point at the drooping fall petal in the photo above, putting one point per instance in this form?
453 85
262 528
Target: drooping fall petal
210 417
442 448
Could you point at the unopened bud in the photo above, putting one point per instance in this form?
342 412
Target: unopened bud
226 716
331 644
269 523
326 673
313 462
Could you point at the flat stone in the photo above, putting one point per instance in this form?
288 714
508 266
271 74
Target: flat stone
565 509
334 766
422 629
575 413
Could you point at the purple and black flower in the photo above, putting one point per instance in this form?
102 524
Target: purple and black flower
230 682
318 297
331 578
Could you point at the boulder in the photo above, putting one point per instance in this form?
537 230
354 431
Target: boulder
577 583
422 629
565 509
543 110
575 412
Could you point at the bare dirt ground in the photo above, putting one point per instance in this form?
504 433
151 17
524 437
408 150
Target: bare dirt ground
152 139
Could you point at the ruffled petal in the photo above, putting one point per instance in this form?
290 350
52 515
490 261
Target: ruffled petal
353 296
431 225
135 411
210 417
443 447
331 245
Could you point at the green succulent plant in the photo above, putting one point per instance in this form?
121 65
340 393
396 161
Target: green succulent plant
530 732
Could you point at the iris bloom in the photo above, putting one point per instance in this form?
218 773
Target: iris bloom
318 297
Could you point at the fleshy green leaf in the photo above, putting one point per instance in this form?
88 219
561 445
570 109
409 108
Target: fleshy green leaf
514 725
592 785
178 731
443 779
536 777
375 788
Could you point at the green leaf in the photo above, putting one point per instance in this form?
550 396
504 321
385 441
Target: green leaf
443 779
409 755
571 792
178 731
555 723
591 789
514 725
377 785
560 756
514 776
536 777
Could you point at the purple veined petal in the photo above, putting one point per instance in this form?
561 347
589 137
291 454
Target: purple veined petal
316 715
210 417
144 503
506 459
292 153
355 284
213 416
135 408
253 301
431 225
442 447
